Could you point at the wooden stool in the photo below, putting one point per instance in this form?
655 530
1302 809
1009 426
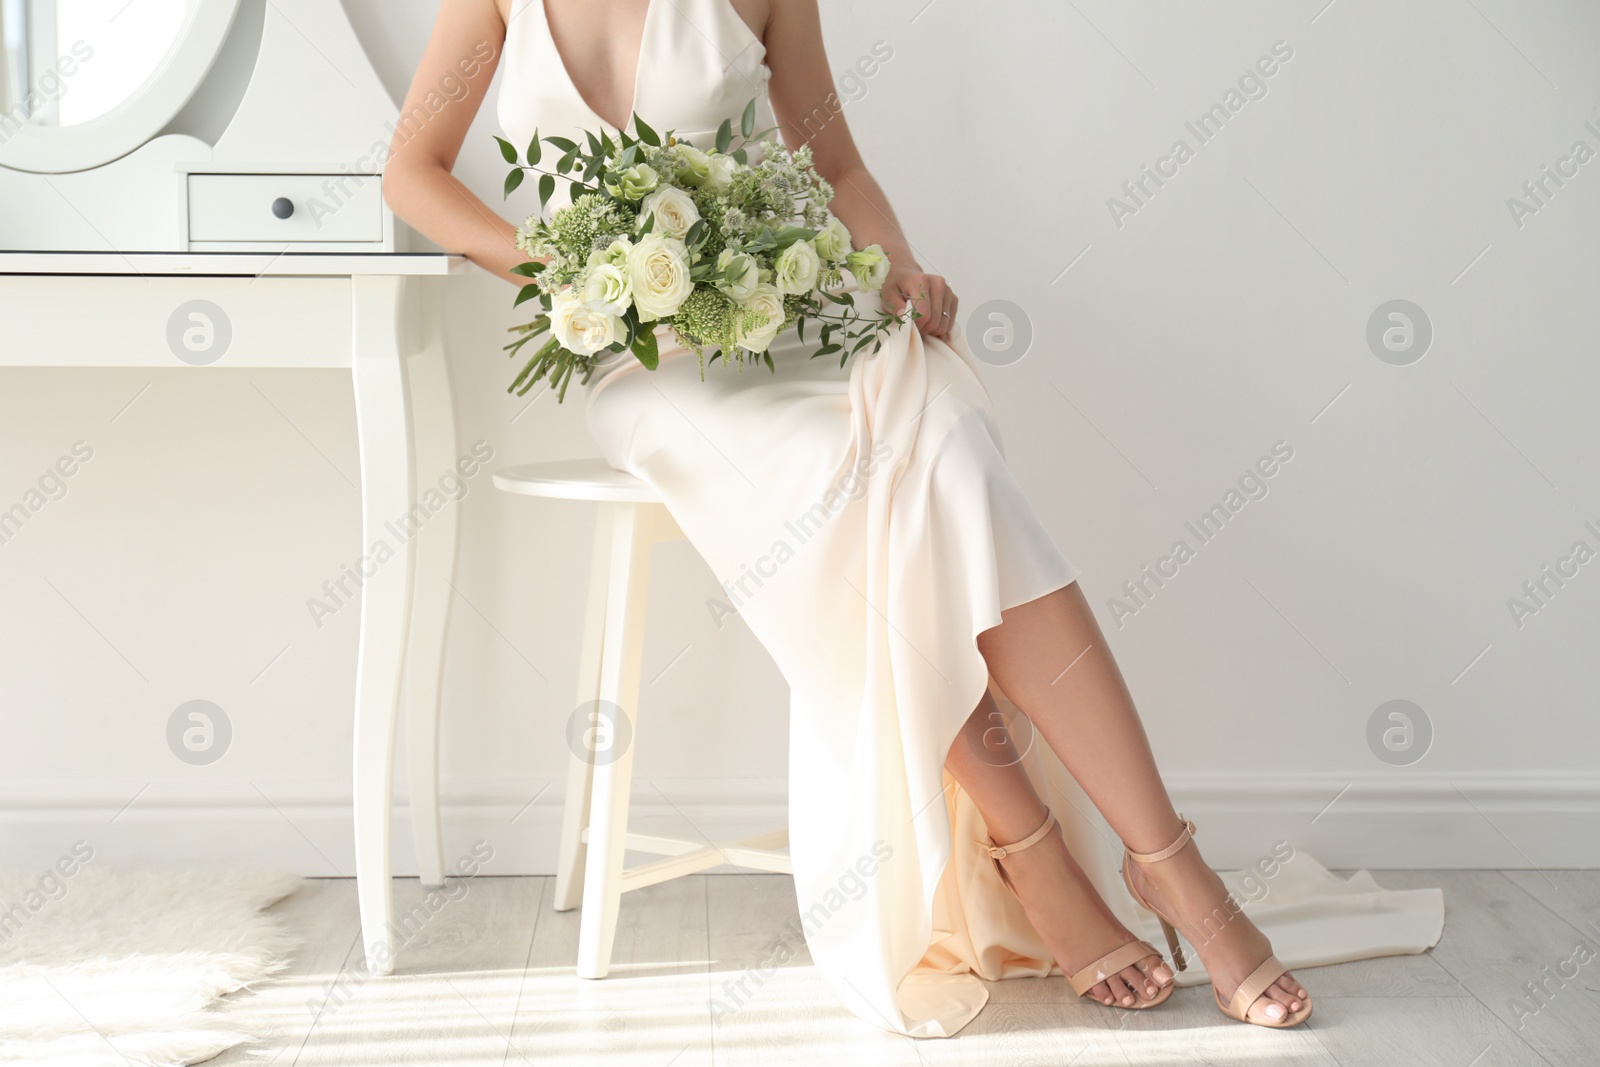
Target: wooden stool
594 820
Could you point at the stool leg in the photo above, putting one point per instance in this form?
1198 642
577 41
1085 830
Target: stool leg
580 765
632 536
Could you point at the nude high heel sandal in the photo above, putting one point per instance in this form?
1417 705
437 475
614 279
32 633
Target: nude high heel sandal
1256 983
1112 962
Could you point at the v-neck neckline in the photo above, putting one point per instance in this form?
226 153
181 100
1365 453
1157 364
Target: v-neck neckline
566 71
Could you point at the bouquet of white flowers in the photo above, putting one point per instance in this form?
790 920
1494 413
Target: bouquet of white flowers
658 232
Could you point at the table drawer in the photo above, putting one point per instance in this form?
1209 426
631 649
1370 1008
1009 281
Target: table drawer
64 321
318 207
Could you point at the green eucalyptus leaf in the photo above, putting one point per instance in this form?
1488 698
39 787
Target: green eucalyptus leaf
547 187
646 349
724 135
566 144
513 180
535 150
748 122
506 150
646 134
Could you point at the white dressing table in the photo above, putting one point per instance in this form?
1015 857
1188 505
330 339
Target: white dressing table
226 211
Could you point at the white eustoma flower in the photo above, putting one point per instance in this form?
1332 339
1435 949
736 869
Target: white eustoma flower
720 170
658 268
674 211
833 241
580 327
769 302
870 266
608 289
616 253
694 166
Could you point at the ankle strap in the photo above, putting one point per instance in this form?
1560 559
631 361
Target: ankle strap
1000 852
1155 857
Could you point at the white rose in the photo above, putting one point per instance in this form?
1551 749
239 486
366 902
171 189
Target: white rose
769 302
747 274
608 289
658 268
581 328
795 270
673 209
833 241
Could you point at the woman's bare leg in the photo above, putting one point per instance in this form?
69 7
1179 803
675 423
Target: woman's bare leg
1051 660
1060 900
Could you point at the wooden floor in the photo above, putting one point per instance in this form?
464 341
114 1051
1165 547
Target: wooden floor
488 979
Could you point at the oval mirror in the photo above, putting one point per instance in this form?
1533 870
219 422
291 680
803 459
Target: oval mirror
84 82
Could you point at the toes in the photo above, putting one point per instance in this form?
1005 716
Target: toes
1136 980
1157 970
1102 993
1287 991
1283 996
1120 990
1265 1009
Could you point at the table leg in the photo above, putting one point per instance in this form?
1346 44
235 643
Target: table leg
434 443
378 370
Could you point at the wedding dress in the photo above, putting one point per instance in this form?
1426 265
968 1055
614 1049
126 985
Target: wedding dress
866 528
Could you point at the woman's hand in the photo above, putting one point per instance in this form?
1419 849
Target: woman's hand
930 294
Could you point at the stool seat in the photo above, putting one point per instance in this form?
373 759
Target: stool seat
576 479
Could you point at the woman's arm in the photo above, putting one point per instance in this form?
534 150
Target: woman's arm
445 95
805 105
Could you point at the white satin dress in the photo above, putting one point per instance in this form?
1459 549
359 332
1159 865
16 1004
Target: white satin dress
866 528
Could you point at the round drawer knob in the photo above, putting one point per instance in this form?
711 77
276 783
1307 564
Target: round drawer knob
283 207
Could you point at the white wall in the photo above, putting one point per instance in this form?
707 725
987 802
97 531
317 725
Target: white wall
1227 314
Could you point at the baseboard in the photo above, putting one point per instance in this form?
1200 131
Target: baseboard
1435 821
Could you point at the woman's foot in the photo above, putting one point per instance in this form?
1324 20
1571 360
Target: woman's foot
1191 896
1075 923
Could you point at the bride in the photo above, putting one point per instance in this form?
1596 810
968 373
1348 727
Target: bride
924 844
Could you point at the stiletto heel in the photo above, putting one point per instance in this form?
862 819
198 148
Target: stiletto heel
1256 983
1123 956
1172 945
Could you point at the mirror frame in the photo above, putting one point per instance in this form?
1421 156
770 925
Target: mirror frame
109 137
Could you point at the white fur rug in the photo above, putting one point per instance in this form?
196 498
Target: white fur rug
126 967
